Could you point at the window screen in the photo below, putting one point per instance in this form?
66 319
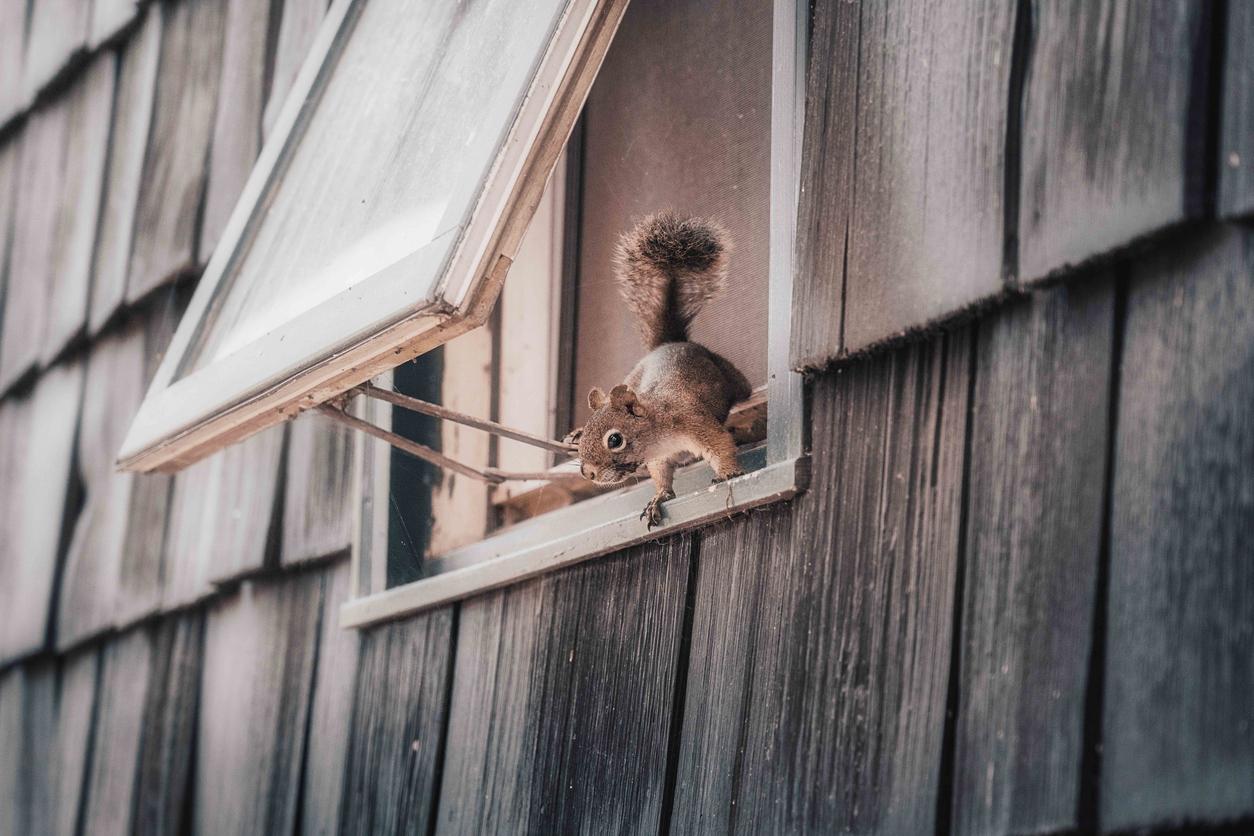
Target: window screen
679 117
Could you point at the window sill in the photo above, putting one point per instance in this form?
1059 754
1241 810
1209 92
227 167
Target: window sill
591 528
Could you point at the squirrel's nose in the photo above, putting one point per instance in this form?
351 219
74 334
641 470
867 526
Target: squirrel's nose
588 472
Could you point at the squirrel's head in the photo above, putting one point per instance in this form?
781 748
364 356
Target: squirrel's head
611 443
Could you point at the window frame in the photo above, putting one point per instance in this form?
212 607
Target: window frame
376 324
777 470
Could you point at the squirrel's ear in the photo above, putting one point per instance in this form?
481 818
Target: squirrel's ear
596 398
623 397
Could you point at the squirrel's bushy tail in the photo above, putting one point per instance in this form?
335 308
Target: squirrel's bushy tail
668 268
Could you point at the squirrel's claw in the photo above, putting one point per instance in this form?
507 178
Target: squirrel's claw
652 512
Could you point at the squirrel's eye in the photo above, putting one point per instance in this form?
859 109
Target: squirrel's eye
614 440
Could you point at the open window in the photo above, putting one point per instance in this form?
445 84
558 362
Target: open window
435 217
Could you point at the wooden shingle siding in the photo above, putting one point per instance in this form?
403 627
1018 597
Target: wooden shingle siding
126 673
331 710
399 713
562 698
1109 115
1178 737
237 123
12 58
56 31
137 79
850 624
8 190
165 754
298 25
901 204
28 730
76 709
318 500
1036 482
114 385
167 221
223 517
259 662
36 452
1236 138
109 18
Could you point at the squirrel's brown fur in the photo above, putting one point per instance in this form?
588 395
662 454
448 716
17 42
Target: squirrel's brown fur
677 397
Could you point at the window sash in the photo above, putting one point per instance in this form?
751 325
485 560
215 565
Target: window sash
776 471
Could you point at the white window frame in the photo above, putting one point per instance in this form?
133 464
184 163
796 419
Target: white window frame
776 471
376 324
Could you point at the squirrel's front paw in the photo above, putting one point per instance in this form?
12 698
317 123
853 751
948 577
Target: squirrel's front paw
653 511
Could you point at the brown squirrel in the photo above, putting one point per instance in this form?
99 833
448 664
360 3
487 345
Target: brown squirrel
676 399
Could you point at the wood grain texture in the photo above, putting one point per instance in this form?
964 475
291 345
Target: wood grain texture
166 752
167 219
109 18
817 683
297 27
902 169
28 728
128 141
75 719
399 712
114 385
127 664
13 99
223 517
237 122
36 454
8 200
1236 138
1177 739
260 646
33 253
1108 119
317 503
56 31
562 698
1036 491
331 711
83 164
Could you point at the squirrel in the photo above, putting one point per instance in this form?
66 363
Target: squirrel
677 397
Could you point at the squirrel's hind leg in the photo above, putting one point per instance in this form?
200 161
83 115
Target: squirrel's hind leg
718 448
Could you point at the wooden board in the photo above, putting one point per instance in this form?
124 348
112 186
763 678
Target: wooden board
331 711
56 32
36 452
821 632
167 217
113 388
126 673
260 645
136 86
562 698
318 488
1108 121
237 123
399 712
32 255
13 96
165 754
1177 736
1236 137
223 519
297 27
8 199
28 728
902 170
109 18
75 720
1037 474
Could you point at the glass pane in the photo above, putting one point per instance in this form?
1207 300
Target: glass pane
411 118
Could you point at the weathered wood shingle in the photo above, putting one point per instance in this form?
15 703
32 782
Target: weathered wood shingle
562 698
1177 735
1109 121
28 730
1034 527
56 31
837 644
902 171
318 499
12 58
1236 137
